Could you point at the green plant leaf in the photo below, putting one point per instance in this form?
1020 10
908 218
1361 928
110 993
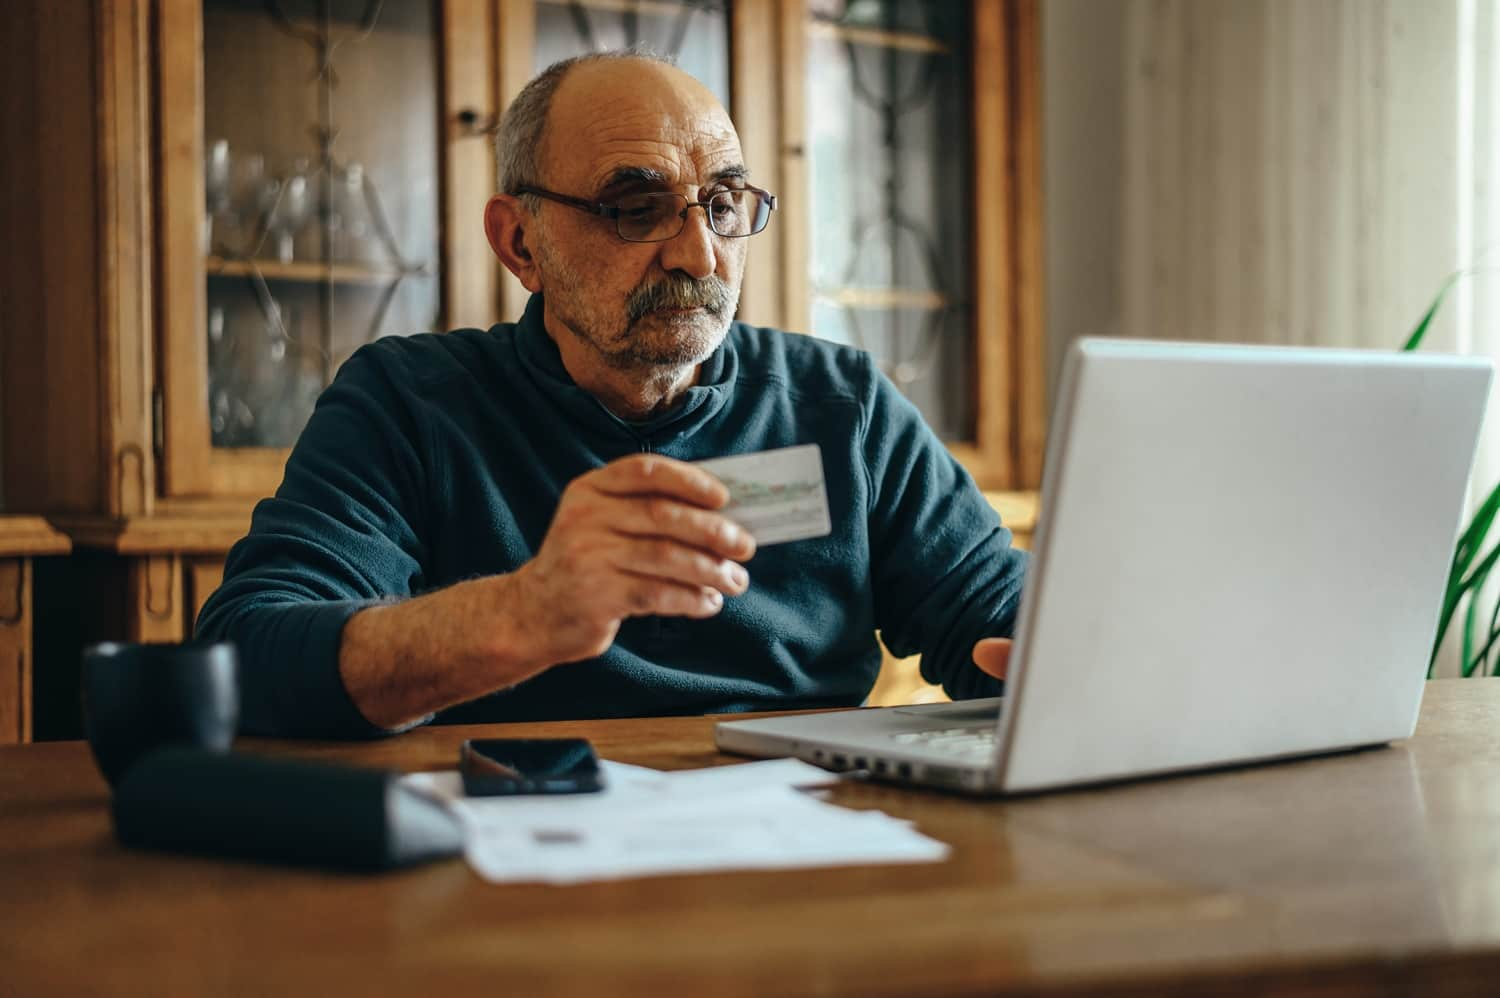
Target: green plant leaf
1470 613
1463 575
1470 541
1469 665
1484 668
1415 339
1454 595
1483 568
1469 544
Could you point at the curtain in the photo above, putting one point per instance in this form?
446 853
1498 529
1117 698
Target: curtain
1279 171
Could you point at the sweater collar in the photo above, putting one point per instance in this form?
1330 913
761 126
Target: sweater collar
700 403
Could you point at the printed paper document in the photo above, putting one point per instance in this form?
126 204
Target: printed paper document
751 816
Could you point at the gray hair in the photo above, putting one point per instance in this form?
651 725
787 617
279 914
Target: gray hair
518 143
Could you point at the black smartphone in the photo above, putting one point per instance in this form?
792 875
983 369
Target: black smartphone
493 767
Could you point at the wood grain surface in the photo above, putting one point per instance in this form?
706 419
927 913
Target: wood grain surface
21 539
1372 872
26 536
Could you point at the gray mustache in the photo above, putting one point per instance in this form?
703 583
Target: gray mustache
677 291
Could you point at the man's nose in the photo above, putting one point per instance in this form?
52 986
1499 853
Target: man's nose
692 250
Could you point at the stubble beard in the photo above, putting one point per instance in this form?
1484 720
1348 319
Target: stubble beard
652 335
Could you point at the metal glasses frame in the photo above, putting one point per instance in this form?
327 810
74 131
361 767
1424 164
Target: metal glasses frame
611 210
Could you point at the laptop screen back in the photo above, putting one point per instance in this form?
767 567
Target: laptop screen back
1241 555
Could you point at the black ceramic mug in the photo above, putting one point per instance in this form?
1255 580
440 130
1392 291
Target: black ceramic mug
139 697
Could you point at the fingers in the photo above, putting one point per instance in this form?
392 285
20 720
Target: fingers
652 474
639 537
992 655
670 561
655 496
646 596
662 517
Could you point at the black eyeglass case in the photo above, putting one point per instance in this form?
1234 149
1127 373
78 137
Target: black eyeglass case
280 811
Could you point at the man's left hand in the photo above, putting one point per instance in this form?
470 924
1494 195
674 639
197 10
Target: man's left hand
992 655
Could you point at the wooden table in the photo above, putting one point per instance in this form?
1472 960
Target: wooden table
1375 872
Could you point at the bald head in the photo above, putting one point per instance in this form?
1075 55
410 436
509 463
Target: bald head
602 95
619 121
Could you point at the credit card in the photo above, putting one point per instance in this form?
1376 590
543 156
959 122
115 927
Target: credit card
777 495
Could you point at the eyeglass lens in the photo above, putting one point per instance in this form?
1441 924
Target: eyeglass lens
658 216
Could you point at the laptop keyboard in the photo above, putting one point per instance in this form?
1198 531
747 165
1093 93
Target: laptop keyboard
968 744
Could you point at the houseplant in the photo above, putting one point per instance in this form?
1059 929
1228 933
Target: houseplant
1469 570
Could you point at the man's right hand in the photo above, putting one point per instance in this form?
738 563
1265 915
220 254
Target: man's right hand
637 537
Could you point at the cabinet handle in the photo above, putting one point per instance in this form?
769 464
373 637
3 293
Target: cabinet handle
474 122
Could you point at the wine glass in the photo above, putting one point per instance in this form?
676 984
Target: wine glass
230 416
349 221
290 210
216 320
252 193
275 332
216 174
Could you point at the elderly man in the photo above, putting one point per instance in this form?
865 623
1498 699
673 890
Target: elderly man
503 525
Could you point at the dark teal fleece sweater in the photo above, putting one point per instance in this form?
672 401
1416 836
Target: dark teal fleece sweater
437 458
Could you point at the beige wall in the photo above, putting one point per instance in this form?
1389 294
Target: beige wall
1083 149
1249 170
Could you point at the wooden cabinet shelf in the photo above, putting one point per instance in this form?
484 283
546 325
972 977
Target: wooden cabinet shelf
883 298
909 41
308 273
658 8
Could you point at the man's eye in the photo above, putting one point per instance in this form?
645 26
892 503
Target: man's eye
638 208
727 203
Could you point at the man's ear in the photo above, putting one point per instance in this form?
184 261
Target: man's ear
508 224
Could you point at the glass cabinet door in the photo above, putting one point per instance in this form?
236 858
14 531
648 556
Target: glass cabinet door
889 125
321 202
694 33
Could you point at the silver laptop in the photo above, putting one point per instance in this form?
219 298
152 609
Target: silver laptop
1240 557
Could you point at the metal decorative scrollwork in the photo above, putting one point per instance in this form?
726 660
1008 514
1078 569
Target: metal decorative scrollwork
880 225
324 46
630 21
692 33
322 190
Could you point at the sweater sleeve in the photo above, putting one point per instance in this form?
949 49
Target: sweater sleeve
944 572
342 533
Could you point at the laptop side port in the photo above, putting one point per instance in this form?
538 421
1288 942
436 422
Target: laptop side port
945 776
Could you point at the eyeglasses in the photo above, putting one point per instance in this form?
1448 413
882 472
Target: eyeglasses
661 215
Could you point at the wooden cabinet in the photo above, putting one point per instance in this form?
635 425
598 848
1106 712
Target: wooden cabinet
22 540
210 203
315 158
912 157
